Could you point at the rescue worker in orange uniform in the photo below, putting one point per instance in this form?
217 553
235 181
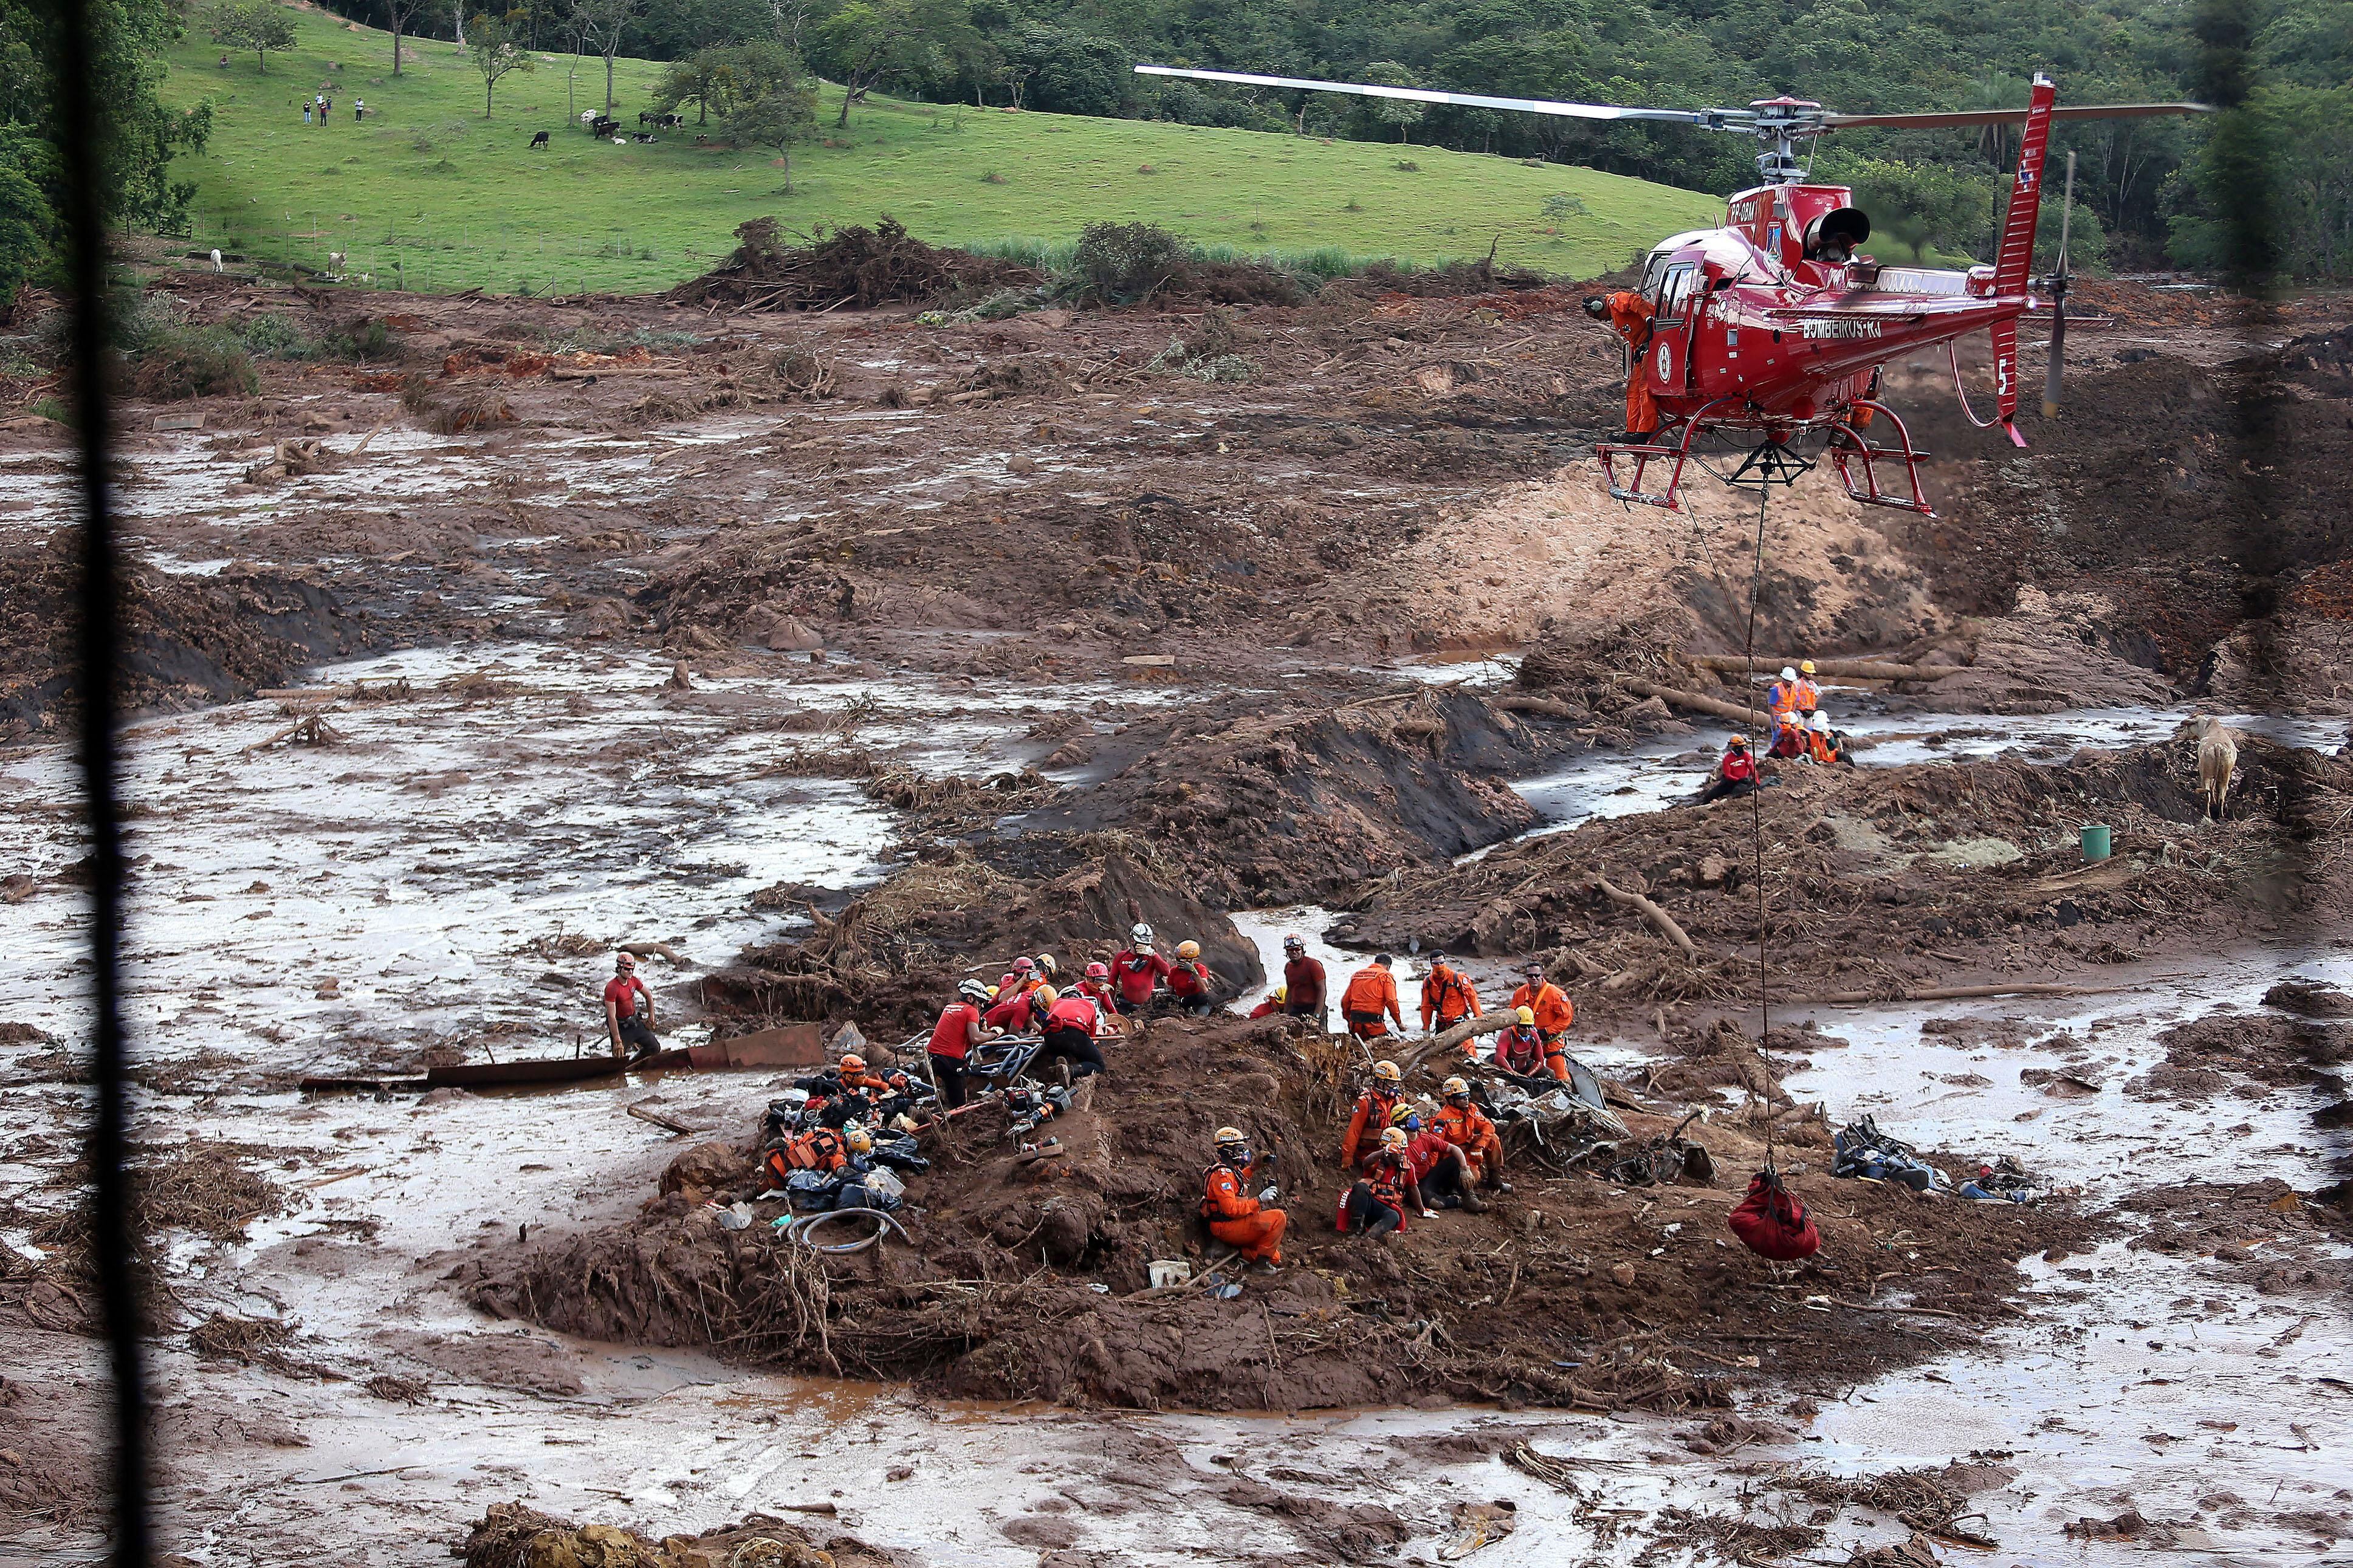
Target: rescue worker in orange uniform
1823 744
1237 1216
1629 315
1447 996
1781 701
1375 1204
1522 1049
1468 1128
1555 1012
1808 695
1371 1000
1372 1113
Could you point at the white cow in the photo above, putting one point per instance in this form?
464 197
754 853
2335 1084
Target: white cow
2218 759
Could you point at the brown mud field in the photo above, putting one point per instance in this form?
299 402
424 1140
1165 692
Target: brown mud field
831 658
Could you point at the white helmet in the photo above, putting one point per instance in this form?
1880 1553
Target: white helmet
1821 722
1140 934
1788 673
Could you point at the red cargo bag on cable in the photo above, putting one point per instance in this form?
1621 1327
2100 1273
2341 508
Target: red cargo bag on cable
1772 1223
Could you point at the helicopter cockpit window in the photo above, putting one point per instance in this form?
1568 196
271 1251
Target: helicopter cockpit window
1674 289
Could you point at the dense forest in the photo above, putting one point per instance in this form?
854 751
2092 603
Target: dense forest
2265 188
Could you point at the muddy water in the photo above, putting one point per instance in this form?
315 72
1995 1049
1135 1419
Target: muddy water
428 862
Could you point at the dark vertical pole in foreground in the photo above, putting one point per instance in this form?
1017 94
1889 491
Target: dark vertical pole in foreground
83 143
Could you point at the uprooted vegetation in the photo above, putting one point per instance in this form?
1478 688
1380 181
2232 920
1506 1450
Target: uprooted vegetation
1028 1279
1880 880
856 267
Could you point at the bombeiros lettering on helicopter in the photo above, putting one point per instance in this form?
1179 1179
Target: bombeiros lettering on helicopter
1844 327
1813 282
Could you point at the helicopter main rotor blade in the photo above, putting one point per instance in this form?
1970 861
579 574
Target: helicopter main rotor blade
1979 117
1721 119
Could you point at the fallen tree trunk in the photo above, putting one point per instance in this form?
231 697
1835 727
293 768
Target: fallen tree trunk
1663 921
1549 706
1848 668
1446 1041
1952 993
1677 698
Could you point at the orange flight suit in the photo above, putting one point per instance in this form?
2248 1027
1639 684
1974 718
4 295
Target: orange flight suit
1447 996
1629 314
1469 1129
1370 999
1238 1219
1372 1116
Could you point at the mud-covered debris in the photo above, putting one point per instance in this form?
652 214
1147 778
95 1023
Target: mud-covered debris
514 1535
856 265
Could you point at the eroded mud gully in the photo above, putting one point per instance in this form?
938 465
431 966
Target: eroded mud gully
1007 642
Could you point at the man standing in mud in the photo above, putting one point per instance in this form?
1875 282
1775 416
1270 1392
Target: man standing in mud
1303 984
629 1010
1370 1003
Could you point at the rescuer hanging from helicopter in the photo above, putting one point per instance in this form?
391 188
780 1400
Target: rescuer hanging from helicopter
1629 315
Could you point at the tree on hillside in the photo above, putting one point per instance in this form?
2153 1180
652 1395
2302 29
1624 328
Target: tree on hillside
779 117
723 79
609 23
498 49
1401 113
870 42
401 13
257 25
697 79
140 136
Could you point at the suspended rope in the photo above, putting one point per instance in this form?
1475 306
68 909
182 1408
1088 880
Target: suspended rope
1757 825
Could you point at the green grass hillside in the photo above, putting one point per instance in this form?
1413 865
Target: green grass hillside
428 193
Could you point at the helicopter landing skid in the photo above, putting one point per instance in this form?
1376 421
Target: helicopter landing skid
1848 450
1663 444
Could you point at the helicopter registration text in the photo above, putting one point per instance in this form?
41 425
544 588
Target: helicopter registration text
1836 329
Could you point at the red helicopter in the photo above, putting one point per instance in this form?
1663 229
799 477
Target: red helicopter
1773 328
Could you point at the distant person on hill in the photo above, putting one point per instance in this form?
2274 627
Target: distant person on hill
359 109
306 111
629 1010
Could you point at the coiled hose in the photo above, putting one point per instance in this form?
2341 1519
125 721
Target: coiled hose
799 1227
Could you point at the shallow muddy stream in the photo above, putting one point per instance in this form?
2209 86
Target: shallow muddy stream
336 908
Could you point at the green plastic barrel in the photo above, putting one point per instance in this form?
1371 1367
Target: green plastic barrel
2098 842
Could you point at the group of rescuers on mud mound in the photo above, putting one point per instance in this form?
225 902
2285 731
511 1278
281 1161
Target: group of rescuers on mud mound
1800 731
1406 1156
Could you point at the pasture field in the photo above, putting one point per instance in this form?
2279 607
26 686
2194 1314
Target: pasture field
425 192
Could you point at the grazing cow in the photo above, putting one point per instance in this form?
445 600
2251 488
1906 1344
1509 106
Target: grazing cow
217 260
2218 759
604 126
335 259
538 140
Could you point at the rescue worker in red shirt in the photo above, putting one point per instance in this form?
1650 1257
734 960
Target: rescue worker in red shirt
1370 1002
1189 982
1237 1216
629 1009
1522 1049
1468 1128
1734 775
1137 971
953 1039
1304 984
1271 1005
1010 1012
1372 1112
1446 997
1067 1028
1375 1204
1441 1172
1629 315
1020 977
1096 987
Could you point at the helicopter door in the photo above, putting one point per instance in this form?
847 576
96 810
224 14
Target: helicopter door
1672 308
